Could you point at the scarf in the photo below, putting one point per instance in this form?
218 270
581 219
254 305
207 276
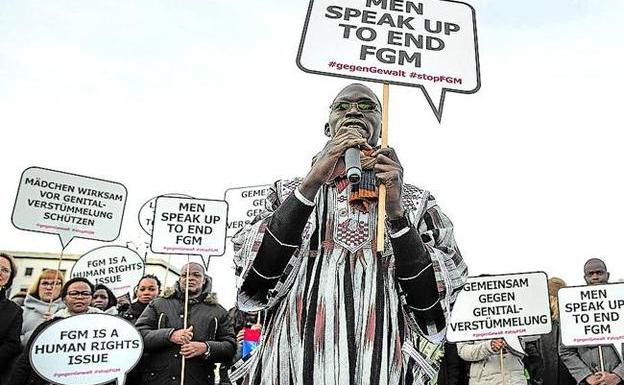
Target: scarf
65 313
366 191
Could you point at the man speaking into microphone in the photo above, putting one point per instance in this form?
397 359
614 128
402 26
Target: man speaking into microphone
337 311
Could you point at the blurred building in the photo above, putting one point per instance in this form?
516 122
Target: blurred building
30 264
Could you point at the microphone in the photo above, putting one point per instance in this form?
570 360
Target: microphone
353 165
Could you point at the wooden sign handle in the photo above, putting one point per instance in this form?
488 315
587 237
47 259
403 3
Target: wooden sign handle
185 315
381 207
502 366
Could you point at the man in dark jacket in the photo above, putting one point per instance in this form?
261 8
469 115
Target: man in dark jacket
583 361
209 337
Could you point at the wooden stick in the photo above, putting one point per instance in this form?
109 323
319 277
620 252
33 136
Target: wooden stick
601 358
502 365
56 277
185 314
381 207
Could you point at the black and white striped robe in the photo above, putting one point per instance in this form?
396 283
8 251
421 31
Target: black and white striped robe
336 315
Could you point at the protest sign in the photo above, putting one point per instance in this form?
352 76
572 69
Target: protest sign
501 306
189 226
86 349
592 315
244 204
430 44
146 213
69 205
117 267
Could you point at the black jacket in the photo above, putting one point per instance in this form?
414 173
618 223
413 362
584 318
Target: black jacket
555 371
211 324
453 370
23 373
10 329
133 312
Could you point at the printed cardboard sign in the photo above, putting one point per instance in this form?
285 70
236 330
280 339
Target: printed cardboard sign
244 204
69 205
146 213
189 226
592 315
501 306
86 349
117 267
431 44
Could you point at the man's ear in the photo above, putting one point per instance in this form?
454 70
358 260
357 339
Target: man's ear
327 132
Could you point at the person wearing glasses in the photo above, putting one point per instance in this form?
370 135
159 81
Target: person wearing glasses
338 312
10 317
43 299
76 294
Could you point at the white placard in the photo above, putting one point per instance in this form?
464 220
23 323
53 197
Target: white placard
501 306
431 44
146 212
592 315
86 349
244 203
117 267
72 206
189 226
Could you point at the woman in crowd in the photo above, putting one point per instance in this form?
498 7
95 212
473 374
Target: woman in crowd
76 294
42 301
10 317
104 299
147 289
555 371
485 368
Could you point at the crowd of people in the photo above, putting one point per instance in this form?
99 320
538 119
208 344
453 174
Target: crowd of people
331 307
215 335
545 361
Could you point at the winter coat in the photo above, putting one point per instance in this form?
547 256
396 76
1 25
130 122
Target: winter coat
134 311
533 360
486 369
132 314
34 309
583 361
112 310
211 325
10 326
23 373
555 371
453 369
